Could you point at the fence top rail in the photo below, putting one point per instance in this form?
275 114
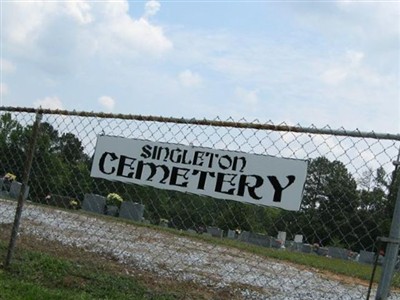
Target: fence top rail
205 122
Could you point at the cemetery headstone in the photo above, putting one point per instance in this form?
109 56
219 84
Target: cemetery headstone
215 231
94 203
15 189
298 238
259 239
306 248
231 234
323 251
111 210
282 236
298 242
366 257
337 252
244 236
131 210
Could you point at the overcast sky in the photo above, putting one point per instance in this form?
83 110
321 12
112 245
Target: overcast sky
333 63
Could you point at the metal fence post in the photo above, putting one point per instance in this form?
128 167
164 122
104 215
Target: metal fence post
20 205
392 249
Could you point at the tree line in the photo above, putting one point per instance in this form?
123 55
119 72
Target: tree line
337 209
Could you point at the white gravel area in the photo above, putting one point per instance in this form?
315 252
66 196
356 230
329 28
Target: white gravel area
182 258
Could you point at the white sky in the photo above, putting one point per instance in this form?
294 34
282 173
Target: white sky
333 63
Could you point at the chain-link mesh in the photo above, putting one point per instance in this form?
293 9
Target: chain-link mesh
232 249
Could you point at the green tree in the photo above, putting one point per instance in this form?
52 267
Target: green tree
329 203
70 148
330 187
11 146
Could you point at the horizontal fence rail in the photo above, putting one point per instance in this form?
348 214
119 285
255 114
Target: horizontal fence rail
347 203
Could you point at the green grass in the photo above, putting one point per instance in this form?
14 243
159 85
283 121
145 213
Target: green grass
36 276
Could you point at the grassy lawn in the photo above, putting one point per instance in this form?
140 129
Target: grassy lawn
35 275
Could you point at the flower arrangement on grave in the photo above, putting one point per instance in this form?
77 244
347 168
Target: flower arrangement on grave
7 180
9 177
74 204
114 199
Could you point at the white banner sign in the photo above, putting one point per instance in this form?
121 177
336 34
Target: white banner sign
251 178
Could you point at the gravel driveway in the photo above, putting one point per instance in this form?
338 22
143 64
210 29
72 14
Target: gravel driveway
182 258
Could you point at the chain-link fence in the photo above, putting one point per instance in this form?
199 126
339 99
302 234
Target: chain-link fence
326 250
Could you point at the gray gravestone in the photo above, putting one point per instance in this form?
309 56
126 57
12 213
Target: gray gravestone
131 210
15 189
215 231
94 203
259 239
306 248
231 234
336 252
366 257
244 236
322 251
111 210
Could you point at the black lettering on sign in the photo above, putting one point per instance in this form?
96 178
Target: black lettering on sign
146 151
278 188
123 163
221 179
153 170
176 174
202 178
244 182
103 159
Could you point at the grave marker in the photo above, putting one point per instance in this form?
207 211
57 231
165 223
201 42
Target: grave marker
131 210
366 257
231 234
337 252
94 203
298 238
215 231
282 236
15 189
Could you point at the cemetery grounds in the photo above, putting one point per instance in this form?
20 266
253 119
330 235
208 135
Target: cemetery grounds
70 255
